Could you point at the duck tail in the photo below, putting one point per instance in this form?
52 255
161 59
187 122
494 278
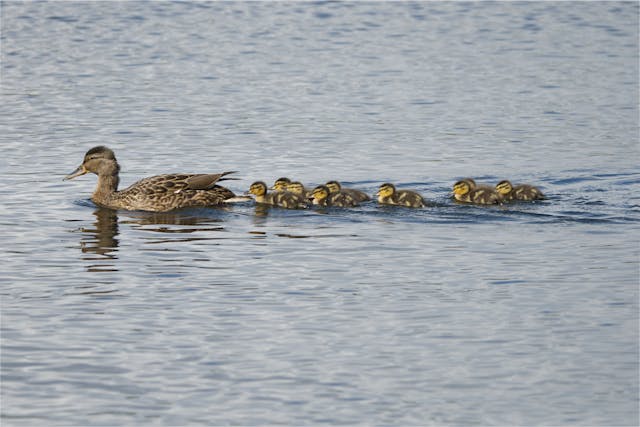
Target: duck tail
224 177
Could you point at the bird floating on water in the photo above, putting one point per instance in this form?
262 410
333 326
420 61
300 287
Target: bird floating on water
158 193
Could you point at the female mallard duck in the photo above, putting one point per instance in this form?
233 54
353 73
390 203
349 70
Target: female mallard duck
388 195
283 199
296 187
357 195
281 184
158 193
521 192
322 196
463 192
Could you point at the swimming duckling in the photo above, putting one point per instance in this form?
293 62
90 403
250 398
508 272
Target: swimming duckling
521 192
281 184
322 196
388 195
359 196
463 192
283 199
158 193
473 185
296 187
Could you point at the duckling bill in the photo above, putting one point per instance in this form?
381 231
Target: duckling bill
158 193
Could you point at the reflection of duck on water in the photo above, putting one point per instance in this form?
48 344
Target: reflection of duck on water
101 240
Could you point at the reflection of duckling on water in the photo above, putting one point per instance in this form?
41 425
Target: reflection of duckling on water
281 184
357 195
522 192
283 199
463 192
296 187
388 195
322 196
158 193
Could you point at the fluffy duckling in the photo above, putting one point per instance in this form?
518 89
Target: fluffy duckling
281 184
521 192
388 195
473 185
359 196
296 187
463 192
283 199
322 196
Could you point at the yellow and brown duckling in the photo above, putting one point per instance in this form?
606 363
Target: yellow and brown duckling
281 184
158 193
473 185
283 199
520 192
388 195
298 188
322 196
463 192
359 196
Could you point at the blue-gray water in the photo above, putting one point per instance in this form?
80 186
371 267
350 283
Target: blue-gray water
449 315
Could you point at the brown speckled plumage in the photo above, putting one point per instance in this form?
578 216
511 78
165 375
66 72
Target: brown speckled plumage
159 193
357 195
463 192
520 192
282 199
388 195
322 196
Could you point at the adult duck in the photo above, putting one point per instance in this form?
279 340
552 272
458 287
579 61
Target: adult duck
158 193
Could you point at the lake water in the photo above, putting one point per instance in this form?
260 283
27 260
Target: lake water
524 314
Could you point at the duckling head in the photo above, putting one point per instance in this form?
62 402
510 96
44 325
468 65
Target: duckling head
99 160
320 193
461 187
281 184
258 188
295 187
470 181
386 190
333 186
504 187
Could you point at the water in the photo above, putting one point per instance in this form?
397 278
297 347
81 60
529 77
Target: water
449 315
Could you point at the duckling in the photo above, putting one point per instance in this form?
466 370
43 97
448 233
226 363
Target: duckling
281 184
322 196
388 195
296 187
158 193
463 192
283 199
474 186
359 196
521 192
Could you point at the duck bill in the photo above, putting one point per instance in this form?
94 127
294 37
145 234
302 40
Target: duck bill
80 171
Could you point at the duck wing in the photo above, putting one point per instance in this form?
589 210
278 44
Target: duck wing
206 181
176 183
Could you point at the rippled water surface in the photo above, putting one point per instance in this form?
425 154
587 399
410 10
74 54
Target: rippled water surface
523 314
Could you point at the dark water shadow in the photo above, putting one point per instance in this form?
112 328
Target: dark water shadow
101 241
102 238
